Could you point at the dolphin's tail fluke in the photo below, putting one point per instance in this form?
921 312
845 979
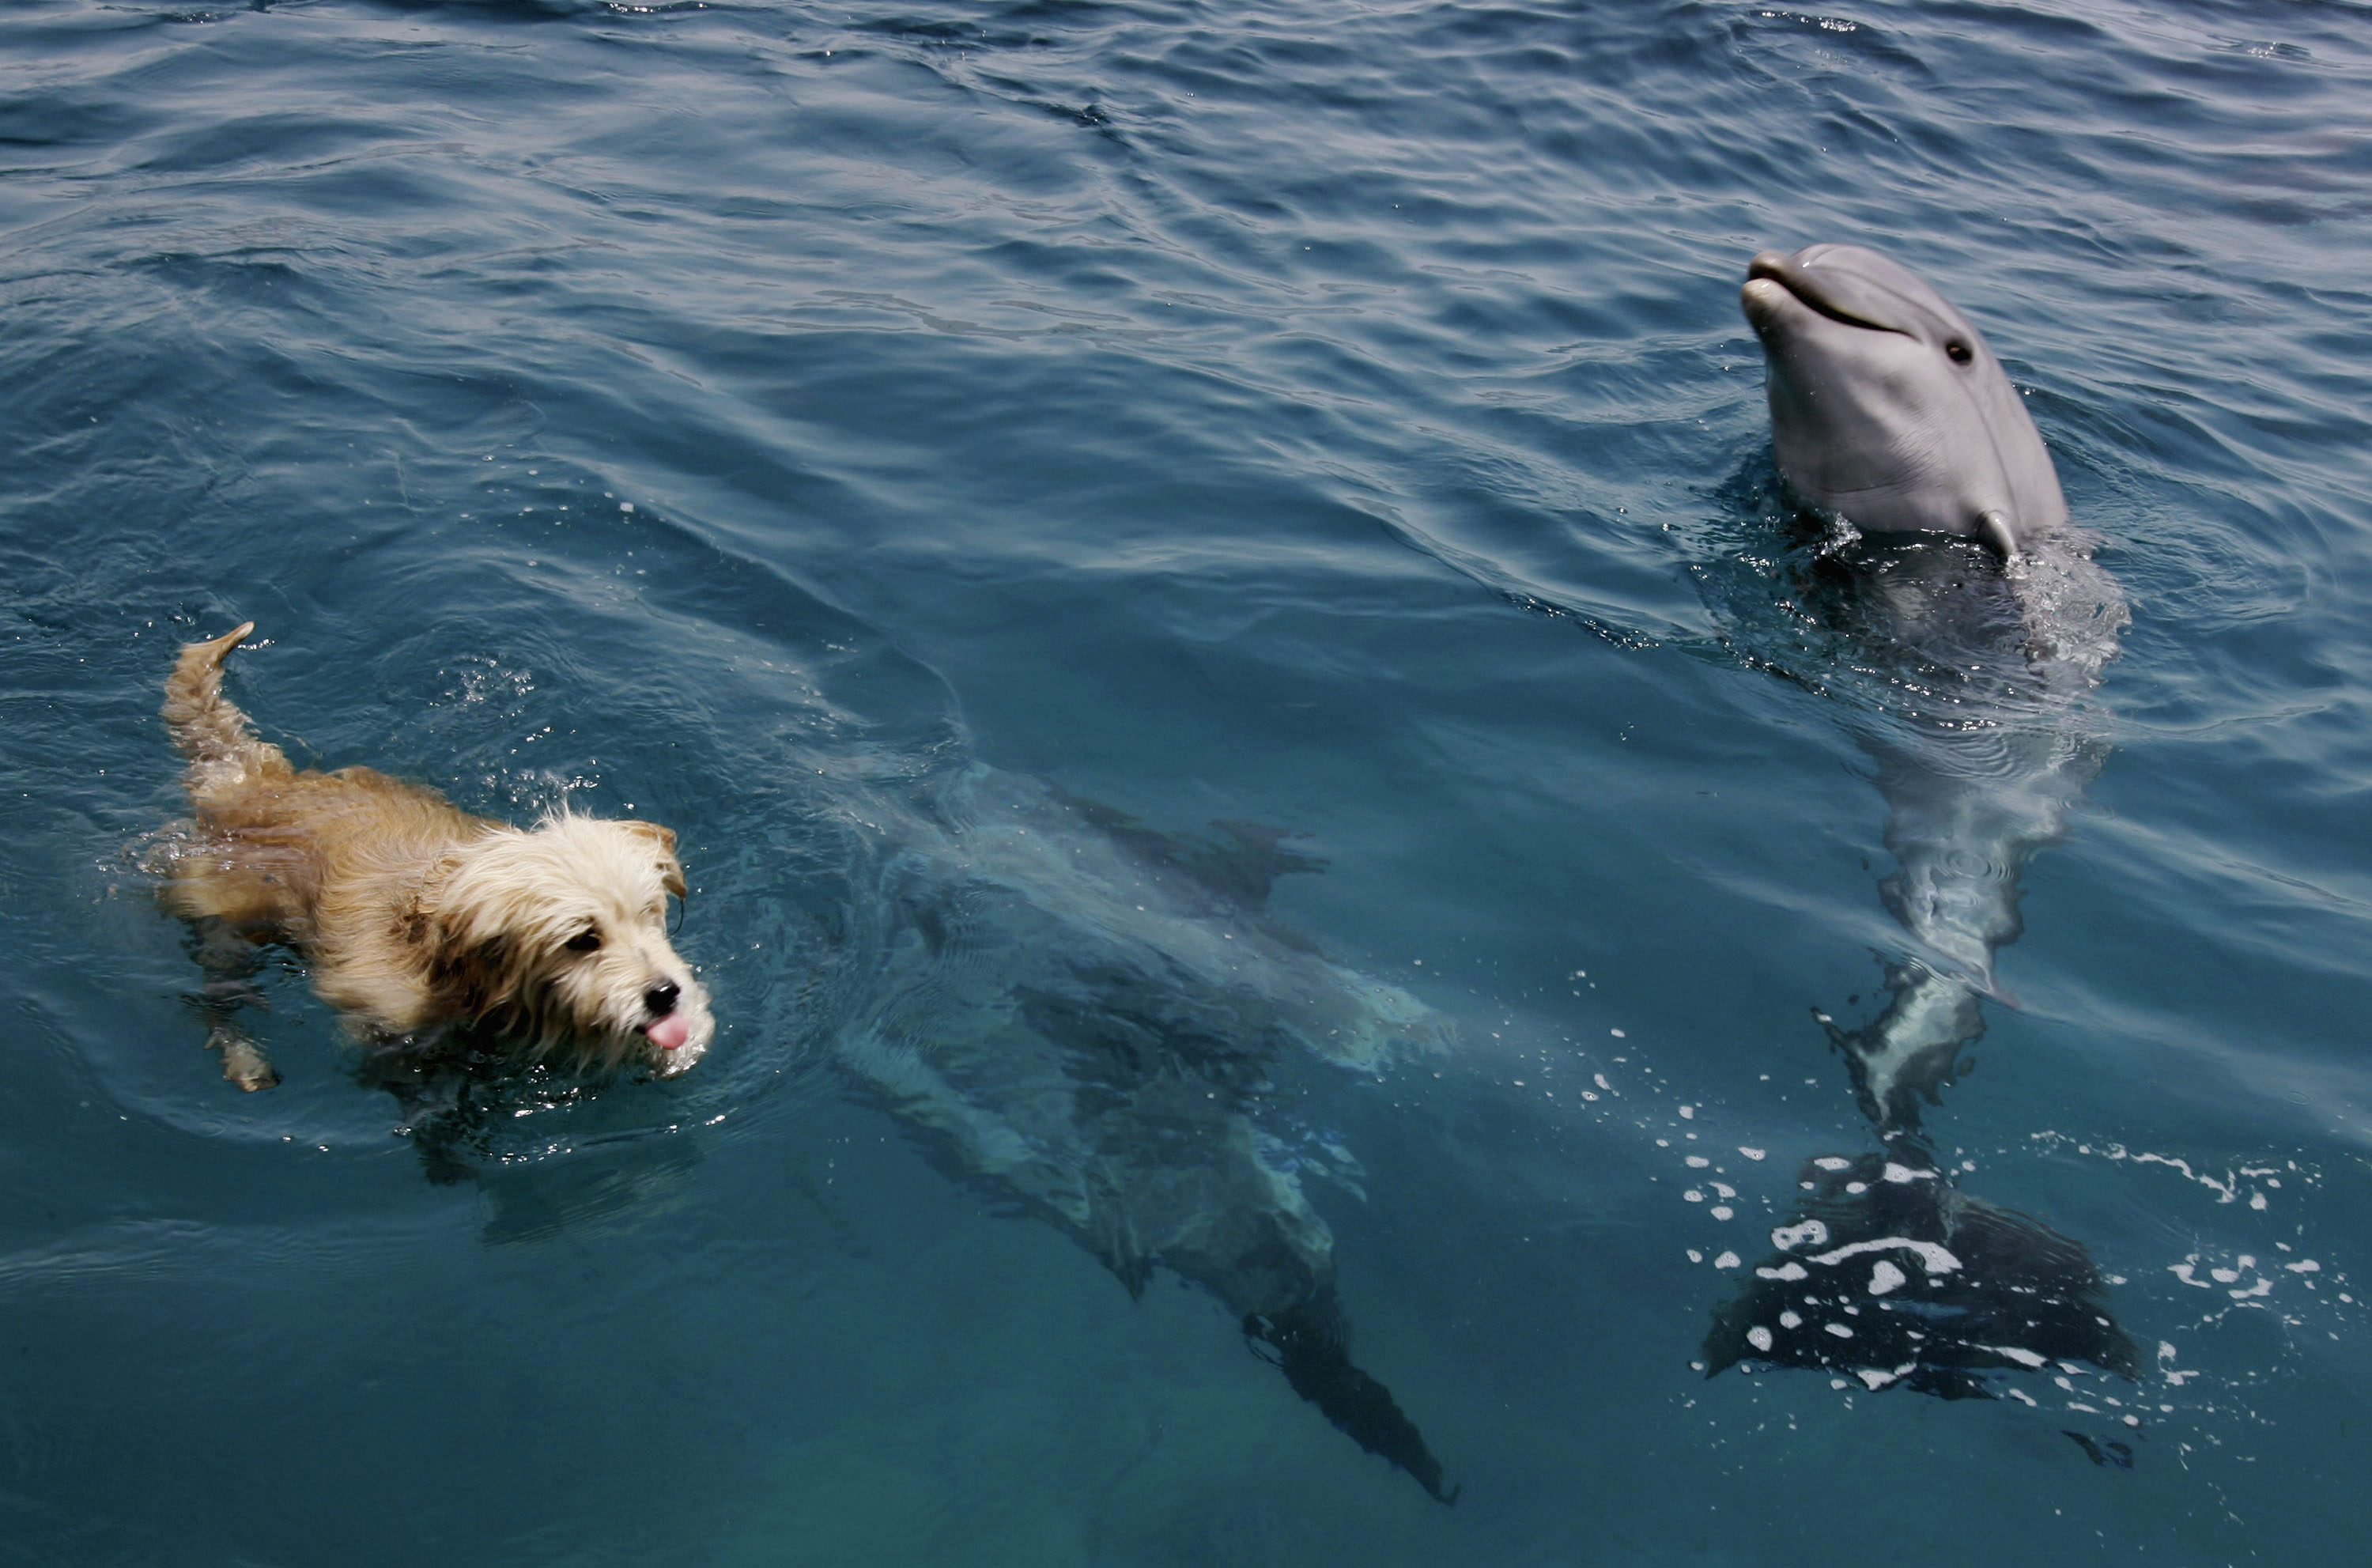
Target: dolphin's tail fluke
1310 1345
1889 1273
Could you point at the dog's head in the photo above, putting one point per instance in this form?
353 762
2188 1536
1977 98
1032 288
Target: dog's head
557 939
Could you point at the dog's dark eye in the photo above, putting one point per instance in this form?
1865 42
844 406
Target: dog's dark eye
1957 352
584 942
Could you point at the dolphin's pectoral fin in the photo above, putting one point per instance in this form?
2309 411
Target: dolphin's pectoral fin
1307 1343
1249 864
1993 526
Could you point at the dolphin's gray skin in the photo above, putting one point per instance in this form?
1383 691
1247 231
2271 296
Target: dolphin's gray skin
1095 1019
1966 610
1887 408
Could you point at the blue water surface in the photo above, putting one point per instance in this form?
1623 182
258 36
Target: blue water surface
1329 415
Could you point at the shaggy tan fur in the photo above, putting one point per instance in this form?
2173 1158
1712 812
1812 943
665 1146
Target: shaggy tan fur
413 914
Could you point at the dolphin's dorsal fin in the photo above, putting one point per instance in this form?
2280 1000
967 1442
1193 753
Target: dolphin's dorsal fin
1237 871
1993 526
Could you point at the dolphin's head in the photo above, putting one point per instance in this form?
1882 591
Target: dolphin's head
1887 409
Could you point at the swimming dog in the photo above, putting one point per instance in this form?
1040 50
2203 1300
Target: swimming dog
415 918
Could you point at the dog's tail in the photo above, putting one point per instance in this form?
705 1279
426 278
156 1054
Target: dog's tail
207 727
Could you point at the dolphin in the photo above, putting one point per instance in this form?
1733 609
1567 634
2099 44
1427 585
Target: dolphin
1100 1024
1888 410
1890 417
1961 599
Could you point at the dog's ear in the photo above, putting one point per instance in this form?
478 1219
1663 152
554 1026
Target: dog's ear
663 837
670 868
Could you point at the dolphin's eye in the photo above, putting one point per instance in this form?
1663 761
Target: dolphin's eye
586 941
1957 352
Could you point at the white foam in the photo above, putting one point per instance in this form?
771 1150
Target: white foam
1934 1257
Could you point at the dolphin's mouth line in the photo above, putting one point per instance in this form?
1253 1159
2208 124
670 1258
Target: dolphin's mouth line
1807 295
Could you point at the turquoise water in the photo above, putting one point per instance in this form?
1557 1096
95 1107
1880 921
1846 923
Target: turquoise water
809 426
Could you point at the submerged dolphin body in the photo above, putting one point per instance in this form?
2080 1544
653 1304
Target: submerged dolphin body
1094 1018
1988 748
1970 612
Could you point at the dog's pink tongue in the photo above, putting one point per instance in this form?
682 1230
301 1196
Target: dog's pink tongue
669 1032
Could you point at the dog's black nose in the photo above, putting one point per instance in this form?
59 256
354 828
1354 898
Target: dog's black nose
660 998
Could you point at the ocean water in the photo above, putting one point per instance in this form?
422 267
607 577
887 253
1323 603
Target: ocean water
819 428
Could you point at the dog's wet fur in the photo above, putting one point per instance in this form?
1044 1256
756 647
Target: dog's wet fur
415 918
